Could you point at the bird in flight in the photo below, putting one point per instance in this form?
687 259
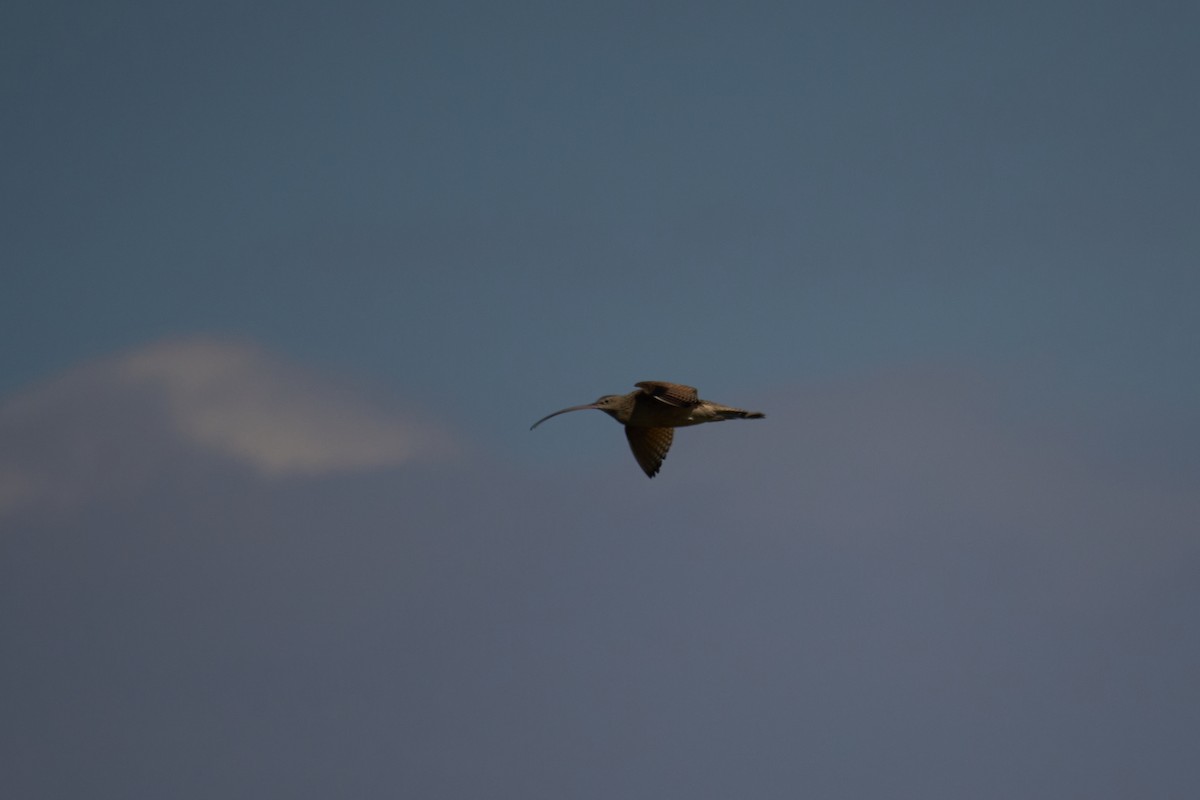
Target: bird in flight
651 413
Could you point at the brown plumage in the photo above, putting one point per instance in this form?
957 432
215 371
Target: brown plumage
652 412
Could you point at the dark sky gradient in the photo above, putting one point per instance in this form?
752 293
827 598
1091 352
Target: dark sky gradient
286 285
895 592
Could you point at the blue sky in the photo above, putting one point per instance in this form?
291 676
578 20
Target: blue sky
288 283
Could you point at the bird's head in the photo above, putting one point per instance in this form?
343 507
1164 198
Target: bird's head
610 404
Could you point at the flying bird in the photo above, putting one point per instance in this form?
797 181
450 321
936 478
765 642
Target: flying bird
651 413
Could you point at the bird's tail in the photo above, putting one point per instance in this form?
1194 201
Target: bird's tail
738 413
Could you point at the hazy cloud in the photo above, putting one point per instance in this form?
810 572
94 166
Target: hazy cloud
15 486
238 401
112 420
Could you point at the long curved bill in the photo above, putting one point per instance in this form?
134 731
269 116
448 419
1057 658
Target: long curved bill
565 410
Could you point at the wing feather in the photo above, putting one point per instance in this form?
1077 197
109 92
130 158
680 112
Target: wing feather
674 394
649 446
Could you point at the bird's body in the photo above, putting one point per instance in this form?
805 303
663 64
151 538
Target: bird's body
650 414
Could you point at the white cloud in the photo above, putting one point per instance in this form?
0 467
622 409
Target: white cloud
238 401
221 398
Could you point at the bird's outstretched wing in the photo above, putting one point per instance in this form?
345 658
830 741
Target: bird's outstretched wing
673 394
649 446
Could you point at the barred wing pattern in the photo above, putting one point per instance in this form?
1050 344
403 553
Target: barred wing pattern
650 446
674 394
